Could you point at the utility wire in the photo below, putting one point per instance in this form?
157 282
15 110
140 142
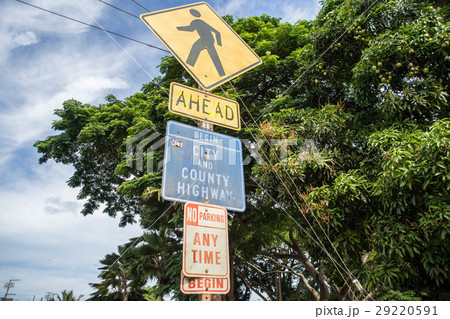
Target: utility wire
296 81
118 44
349 273
108 4
320 245
294 220
290 177
93 26
140 5
297 205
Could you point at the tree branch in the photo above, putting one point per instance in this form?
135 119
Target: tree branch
304 280
315 275
281 256
247 284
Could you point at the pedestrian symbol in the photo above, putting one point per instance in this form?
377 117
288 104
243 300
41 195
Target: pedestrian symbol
206 41
203 43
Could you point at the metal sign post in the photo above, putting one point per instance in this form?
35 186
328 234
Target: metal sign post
199 165
215 295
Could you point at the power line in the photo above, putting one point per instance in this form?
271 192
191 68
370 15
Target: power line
107 31
290 177
118 44
124 11
93 26
140 5
348 272
297 190
322 246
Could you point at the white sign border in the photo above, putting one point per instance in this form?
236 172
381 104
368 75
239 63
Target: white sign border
184 243
198 291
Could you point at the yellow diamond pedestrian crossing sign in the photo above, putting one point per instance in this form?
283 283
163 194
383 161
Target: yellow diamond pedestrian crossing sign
203 43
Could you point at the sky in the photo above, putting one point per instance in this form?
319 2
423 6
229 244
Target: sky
44 60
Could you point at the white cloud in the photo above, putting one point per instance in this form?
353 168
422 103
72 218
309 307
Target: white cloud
23 25
24 38
52 252
288 10
87 88
45 60
55 205
46 81
233 7
37 80
65 64
19 16
299 10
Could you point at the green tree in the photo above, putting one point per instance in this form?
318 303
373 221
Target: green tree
376 107
151 294
68 296
119 280
360 98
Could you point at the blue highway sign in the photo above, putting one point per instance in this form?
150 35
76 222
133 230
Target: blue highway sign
203 166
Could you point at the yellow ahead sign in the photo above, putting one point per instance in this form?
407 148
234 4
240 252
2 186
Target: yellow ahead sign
203 43
204 106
